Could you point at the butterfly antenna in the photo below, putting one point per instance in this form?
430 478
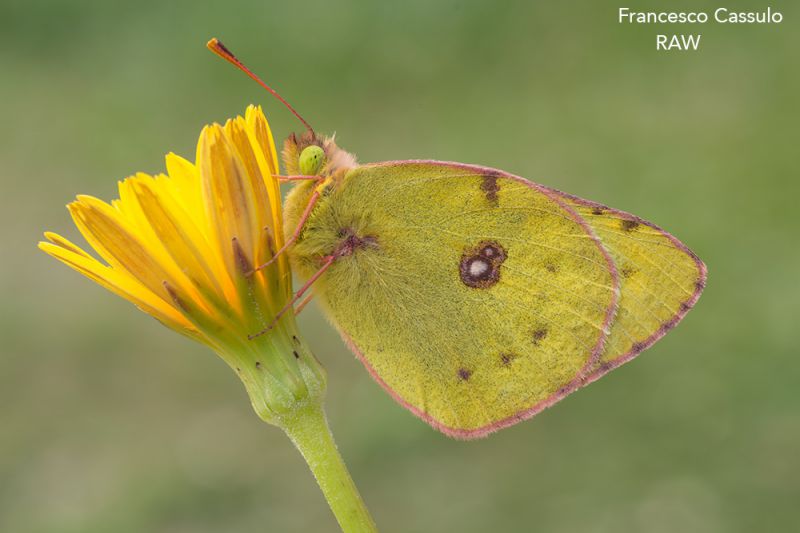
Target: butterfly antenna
222 51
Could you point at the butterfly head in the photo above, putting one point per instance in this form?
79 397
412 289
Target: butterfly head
307 154
312 155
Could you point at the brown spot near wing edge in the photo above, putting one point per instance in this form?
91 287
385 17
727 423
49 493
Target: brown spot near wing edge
628 225
490 188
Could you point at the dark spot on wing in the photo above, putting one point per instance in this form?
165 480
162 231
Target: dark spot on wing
637 347
628 225
597 211
506 358
258 364
490 188
480 265
493 252
550 267
627 272
539 335
296 355
464 374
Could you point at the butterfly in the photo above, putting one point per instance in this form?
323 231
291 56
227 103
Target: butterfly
474 297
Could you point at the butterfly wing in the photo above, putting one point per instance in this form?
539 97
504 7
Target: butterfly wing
474 297
660 279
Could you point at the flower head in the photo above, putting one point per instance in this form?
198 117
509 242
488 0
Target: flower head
182 248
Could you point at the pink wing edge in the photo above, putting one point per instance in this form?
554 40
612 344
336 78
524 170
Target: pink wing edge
585 375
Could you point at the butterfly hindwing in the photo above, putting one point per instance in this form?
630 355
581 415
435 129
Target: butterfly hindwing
660 279
474 297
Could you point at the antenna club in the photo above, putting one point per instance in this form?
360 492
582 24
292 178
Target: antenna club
216 46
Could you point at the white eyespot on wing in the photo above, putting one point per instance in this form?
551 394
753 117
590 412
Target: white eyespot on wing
478 267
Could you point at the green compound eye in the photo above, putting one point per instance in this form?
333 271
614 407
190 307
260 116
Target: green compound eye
311 160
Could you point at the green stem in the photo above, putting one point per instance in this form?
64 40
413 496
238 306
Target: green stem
308 429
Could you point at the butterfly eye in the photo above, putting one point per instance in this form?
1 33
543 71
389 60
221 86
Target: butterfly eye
311 160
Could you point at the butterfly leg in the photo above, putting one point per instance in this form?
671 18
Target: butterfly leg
287 179
303 304
327 262
309 207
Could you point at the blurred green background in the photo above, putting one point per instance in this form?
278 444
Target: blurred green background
110 422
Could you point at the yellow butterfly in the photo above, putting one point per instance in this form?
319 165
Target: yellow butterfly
474 297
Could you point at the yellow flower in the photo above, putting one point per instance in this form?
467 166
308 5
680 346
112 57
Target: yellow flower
182 247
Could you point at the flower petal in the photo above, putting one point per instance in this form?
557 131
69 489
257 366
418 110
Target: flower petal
261 136
184 182
228 197
58 240
182 240
117 242
120 284
260 177
271 238
236 132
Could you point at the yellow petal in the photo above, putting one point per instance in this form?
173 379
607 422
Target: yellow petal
229 199
261 136
250 153
184 182
65 243
257 122
114 239
120 284
179 236
237 134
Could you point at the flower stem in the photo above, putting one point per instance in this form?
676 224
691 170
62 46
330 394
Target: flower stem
308 429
